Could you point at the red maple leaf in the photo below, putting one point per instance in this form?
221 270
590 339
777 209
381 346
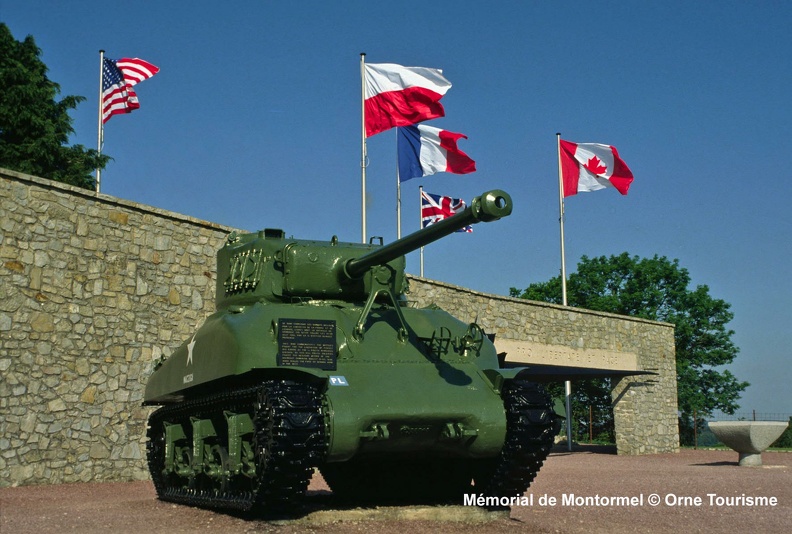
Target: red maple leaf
595 165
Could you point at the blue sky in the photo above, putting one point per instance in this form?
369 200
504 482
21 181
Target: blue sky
254 121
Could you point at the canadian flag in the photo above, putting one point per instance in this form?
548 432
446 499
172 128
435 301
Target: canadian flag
591 166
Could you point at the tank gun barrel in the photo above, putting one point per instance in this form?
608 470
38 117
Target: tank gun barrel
490 206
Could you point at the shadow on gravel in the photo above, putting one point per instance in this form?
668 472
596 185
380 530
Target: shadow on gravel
323 501
560 449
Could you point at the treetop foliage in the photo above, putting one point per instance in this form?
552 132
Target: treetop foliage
34 127
658 289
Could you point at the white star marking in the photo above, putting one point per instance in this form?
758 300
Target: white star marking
190 346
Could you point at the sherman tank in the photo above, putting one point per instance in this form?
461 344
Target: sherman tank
315 358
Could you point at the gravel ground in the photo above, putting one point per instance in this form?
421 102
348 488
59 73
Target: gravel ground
683 483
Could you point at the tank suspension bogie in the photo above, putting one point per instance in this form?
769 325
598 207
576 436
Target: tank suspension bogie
241 459
237 450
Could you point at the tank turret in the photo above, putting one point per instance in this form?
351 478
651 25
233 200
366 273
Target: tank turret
266 266
314 359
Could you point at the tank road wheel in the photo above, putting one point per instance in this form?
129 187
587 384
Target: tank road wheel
531 426
217 468
175 470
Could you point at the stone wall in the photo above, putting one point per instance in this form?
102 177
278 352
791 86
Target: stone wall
94 290
645 408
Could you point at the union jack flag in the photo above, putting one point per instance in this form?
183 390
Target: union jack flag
435 208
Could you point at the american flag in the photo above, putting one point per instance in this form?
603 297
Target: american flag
118 78
435 208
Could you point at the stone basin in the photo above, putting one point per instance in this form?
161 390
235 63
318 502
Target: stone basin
748 438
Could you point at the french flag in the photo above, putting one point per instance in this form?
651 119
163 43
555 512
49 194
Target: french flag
401 96
425 150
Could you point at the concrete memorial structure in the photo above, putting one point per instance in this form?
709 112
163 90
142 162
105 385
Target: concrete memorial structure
529 332
748 438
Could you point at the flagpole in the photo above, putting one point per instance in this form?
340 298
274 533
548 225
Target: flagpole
363 155
567 383
398 198
100 134
420 220
561 221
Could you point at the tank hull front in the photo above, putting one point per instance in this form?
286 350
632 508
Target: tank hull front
381 394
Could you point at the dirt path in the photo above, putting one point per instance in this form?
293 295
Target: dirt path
698 491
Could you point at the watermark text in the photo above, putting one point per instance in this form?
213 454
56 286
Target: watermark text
670 500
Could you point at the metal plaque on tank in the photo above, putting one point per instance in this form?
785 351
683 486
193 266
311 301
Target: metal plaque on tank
307 343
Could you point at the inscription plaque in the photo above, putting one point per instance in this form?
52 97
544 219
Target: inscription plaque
307 343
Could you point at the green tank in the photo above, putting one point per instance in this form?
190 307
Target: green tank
315 359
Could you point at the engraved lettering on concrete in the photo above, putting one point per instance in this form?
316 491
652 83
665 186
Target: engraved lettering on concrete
527 352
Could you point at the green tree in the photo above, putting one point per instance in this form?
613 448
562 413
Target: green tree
34 127
785 441
658 289
591 406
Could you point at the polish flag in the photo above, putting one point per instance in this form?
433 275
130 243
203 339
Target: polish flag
425 150
590 166
401 96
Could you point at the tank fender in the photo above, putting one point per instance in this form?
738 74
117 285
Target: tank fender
295 374
497 376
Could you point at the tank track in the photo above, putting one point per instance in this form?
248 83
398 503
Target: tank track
531 426
288 441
